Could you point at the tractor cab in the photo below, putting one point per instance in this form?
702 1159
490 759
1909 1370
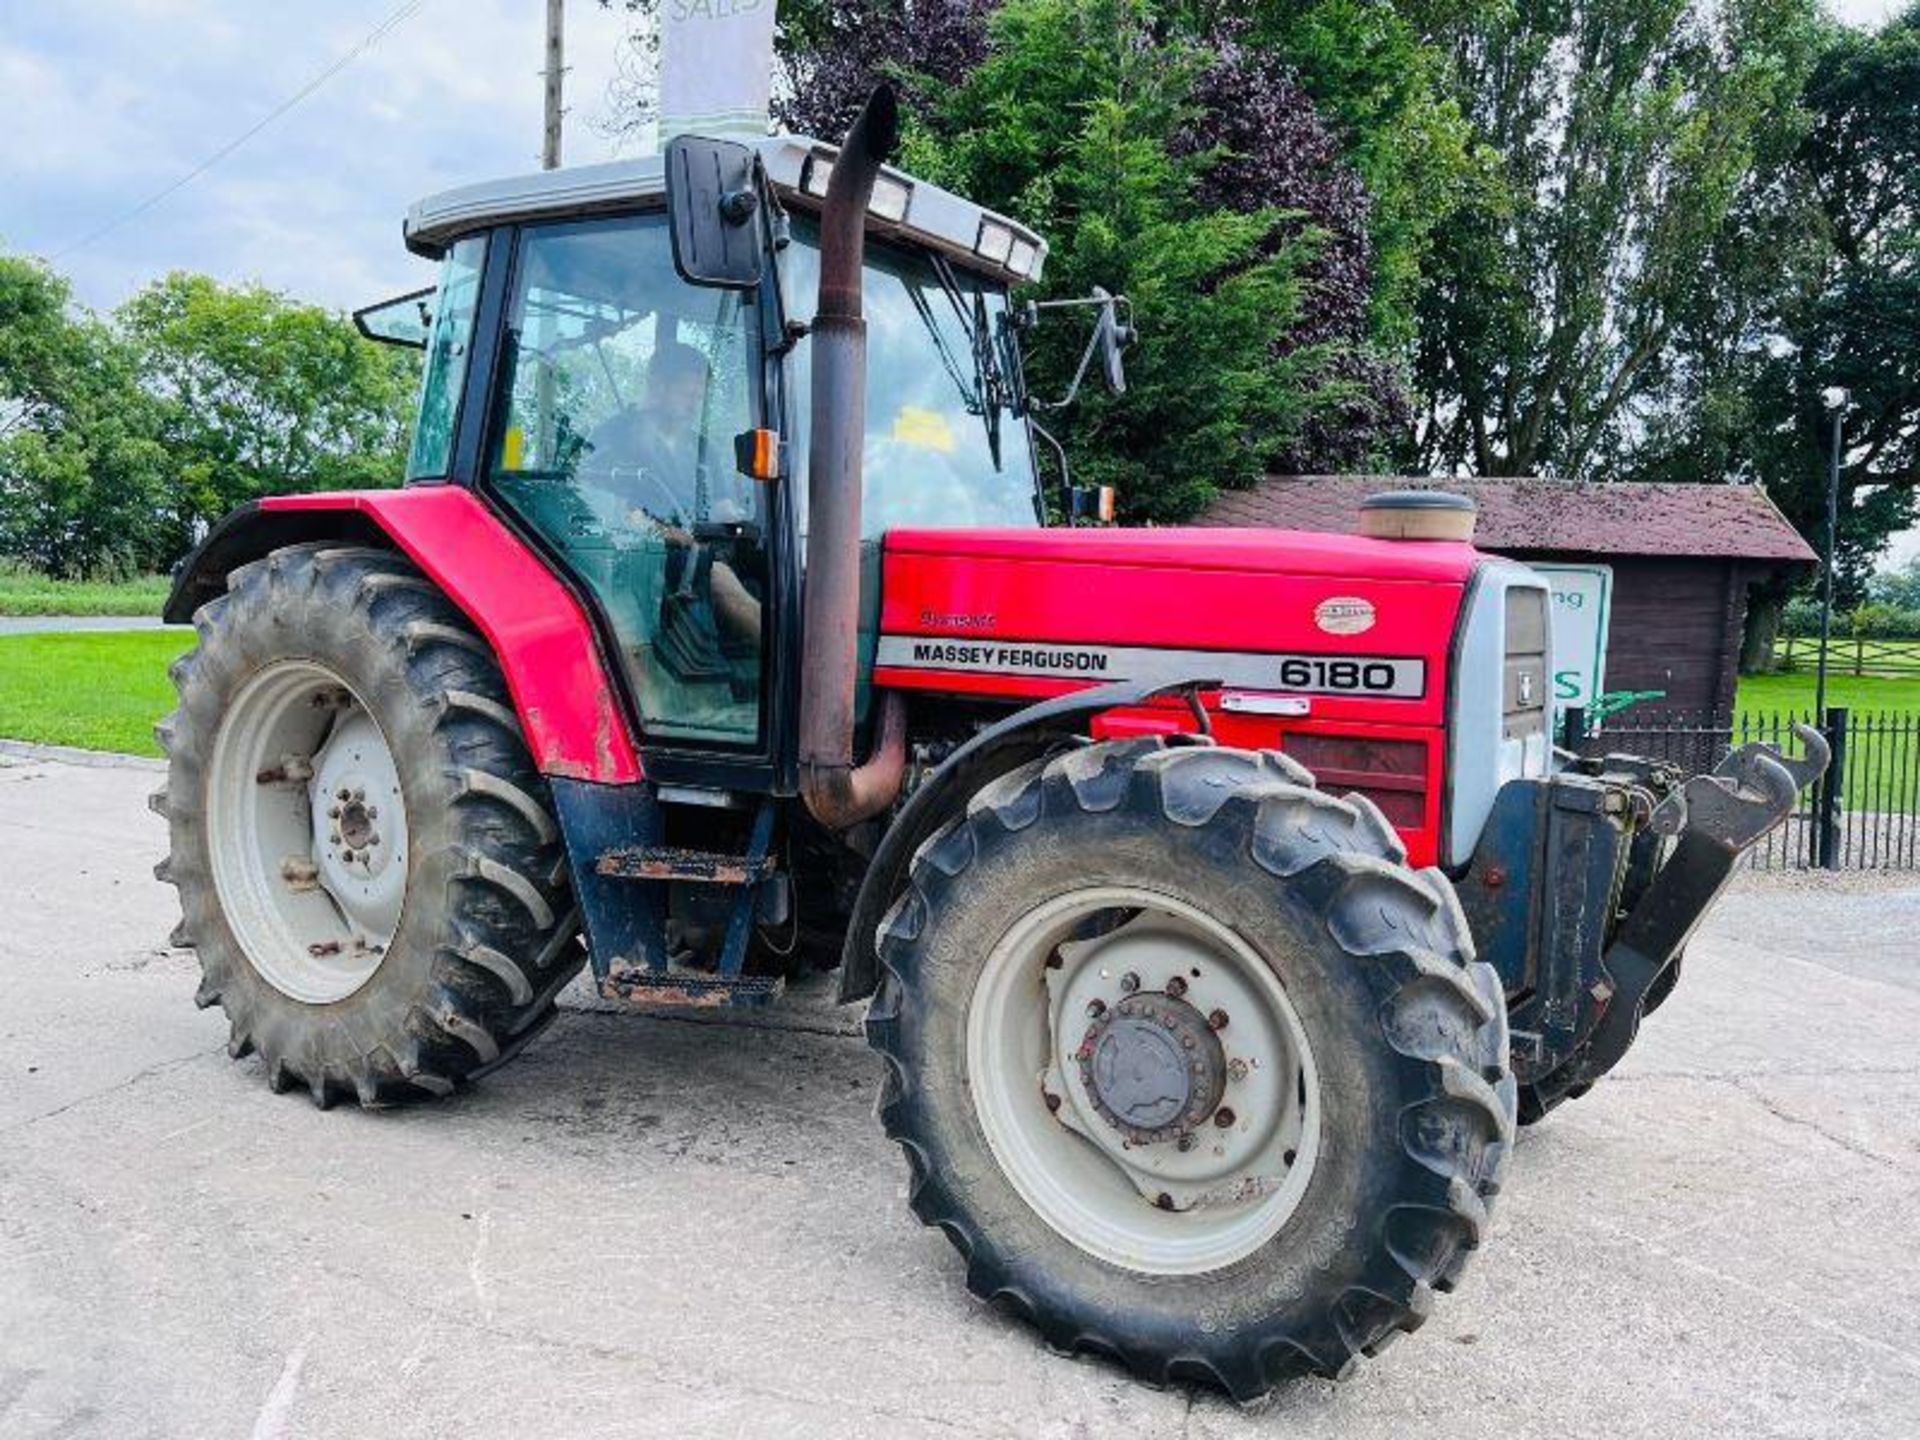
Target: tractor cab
610 406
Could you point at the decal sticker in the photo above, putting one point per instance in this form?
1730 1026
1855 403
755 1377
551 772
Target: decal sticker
1374 675
1344 615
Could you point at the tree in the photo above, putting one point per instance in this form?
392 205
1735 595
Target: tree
1899 588
1815 283
1379 75
1627 133
260 394
80 464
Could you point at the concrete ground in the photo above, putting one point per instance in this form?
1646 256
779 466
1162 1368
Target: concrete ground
651 1227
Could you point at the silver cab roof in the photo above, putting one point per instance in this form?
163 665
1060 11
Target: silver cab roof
933 217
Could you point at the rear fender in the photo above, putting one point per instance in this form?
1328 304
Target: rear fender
541 636
1023 736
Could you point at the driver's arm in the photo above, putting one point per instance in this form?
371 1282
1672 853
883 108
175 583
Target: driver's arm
733 603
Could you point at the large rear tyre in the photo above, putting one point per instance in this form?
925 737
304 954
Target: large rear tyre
367 859
1189 1065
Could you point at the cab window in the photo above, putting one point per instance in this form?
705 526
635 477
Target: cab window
449 341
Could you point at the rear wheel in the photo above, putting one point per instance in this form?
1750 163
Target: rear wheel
367 860
1189 1065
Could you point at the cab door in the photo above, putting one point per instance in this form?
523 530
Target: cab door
620 393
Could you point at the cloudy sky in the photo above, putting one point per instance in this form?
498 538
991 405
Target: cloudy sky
105 102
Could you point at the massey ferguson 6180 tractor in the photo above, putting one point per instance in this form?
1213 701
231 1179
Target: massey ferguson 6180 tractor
1221 898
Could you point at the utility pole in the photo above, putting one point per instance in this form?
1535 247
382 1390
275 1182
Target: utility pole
556 29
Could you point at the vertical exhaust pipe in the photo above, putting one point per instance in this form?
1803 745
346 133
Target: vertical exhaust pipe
836 791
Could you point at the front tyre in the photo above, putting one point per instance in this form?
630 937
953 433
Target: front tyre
1189 1065
367 859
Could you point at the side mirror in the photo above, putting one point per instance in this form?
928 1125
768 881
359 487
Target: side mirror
1112 335
713 212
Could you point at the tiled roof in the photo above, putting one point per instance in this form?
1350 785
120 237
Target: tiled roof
1718 521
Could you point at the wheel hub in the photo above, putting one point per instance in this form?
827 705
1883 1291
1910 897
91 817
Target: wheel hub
1152 1067
359 827
307 832
1174 1124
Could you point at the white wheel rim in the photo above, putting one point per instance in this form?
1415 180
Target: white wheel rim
307 832
1147 1205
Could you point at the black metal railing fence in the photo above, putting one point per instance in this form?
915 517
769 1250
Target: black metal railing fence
1863 815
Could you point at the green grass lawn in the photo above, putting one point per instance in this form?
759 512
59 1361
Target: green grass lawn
27 592
1761 693
99 690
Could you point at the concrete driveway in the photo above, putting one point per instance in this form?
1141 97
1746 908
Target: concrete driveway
651 1227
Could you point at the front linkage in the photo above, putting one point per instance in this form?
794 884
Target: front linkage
1587 885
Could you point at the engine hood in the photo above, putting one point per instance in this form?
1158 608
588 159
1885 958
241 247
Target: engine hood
1349 627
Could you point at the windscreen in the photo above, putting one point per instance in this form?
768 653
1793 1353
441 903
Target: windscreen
944 448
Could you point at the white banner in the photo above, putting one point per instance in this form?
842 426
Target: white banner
716 67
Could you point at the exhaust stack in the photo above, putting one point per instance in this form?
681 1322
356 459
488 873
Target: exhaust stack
838 793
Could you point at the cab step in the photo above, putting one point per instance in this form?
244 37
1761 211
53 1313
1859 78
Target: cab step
695 989
675 862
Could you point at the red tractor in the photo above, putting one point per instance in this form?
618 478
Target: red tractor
1220 896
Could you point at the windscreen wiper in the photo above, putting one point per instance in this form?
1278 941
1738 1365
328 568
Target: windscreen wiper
988 395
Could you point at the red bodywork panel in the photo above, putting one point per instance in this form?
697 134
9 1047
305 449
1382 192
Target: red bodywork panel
537 629
1245 597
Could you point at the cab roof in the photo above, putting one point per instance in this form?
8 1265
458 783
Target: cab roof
968 233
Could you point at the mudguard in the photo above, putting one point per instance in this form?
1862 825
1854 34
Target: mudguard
543 639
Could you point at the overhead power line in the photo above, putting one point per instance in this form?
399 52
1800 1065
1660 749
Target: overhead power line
372 38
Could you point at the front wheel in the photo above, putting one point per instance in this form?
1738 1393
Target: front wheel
1189 1064
367 859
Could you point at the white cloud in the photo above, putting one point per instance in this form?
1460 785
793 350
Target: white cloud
102 106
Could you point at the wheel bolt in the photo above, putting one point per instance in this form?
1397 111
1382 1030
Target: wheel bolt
359 794
373 812
1176 987
1129 982
343 794
1053 1101
1236 1069
1223 1117
1096 1008
1217 1019
1184 1143
1164 1201
334 813
334 838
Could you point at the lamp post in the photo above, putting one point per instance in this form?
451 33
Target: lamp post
1837 398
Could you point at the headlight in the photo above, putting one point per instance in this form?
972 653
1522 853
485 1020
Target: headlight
995 243
1023 257
890 198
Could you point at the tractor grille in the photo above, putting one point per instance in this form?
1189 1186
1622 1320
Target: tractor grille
1391 773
